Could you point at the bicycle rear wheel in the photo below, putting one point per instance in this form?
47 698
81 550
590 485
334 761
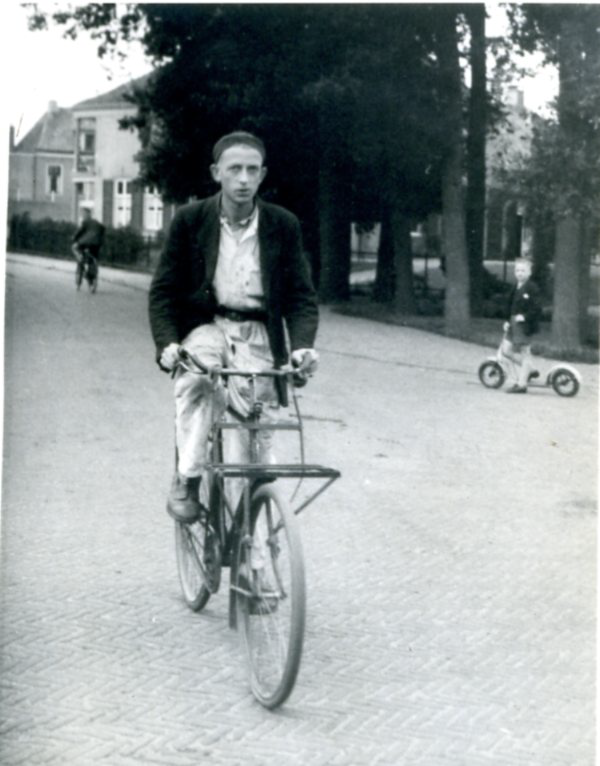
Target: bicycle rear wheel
78 274
270 597
198 562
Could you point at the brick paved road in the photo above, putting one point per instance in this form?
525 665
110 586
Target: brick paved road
451 572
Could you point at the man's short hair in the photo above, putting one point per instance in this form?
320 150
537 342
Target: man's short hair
525 261
235 139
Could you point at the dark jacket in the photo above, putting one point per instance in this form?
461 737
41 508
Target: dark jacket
182 295
525 300
90 232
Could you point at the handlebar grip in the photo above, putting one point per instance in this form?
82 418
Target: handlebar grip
299 380
187 356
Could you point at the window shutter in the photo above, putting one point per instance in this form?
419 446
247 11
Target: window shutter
137 205
108 194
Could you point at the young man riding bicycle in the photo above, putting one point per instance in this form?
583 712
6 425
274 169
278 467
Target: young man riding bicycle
89 237
232 278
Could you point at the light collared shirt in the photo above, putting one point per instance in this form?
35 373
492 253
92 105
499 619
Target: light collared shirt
237 280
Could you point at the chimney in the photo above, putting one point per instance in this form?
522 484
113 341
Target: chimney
11 138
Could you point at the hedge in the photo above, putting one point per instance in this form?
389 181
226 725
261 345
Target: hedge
122 247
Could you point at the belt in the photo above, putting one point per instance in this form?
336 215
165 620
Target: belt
238 315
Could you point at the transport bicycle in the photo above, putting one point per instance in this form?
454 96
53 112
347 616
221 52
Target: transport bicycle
257 538
86 268
563 378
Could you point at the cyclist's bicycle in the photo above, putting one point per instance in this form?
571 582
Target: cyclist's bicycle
86 268
257 537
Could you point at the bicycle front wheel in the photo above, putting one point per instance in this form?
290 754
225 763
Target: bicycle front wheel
78 274
270 595
93 279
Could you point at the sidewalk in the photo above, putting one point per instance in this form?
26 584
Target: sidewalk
123 277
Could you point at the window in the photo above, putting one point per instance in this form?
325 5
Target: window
84 191
122 203
153 210
86 143
54 180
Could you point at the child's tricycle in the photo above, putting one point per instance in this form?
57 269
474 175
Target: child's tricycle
563 378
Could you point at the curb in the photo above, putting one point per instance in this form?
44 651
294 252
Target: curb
134 280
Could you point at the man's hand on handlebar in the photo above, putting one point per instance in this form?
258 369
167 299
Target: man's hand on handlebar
305 362
169 357
174 355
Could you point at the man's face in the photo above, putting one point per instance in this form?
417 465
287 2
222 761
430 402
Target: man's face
522 272
240 172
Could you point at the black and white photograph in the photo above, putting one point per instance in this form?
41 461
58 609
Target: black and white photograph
300 384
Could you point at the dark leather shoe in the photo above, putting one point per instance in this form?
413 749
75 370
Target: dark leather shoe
182 503
516 390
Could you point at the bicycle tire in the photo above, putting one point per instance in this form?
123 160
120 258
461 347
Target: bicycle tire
564 382
271 617
491 374
93 282
78 275
198 562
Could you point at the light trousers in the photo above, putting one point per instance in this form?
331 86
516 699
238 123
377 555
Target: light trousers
200 402
518 362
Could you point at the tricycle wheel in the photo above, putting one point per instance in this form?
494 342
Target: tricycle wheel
564 382
491 374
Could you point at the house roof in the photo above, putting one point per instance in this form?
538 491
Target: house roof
53 132
114 98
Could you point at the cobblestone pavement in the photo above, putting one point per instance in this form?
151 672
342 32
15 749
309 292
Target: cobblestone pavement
451 572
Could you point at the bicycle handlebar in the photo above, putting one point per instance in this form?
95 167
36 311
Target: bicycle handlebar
187 356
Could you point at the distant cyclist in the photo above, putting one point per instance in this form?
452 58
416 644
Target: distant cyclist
89 237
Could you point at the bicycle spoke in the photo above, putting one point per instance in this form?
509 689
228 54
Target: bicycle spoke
198 562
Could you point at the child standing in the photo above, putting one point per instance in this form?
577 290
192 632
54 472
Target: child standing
523 322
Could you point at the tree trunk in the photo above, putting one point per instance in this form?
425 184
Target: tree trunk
383 289
567 286
566 314
334 217
585 256
476 189
542 248
404 297
454 246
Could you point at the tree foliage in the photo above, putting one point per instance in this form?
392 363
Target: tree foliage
564 172
349 99
563 179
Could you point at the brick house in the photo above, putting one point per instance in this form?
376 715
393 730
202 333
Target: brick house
81 156
40 173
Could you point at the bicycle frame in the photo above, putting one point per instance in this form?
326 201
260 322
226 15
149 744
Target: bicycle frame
231 522
249 526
